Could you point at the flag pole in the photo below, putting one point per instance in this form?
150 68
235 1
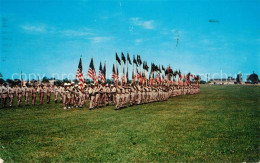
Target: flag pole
122 74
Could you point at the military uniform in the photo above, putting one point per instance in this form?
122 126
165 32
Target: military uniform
19 94
33 92
4 95
11 92
27 91
92 97
41 94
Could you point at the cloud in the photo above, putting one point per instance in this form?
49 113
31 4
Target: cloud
138 41
149 24
99 39
75 33
33 28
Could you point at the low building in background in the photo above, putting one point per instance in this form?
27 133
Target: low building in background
223 81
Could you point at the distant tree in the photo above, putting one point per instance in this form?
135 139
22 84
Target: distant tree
87 81
108 81
58 82
2 81
202 82
76 81
17 81
45 80
66 80
253 78
10 81
34 81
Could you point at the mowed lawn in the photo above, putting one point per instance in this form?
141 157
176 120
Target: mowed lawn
219 124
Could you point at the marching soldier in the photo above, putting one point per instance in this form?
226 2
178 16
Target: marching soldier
118 97
19 94
27 91
48 93
33 92
72 94
61 91
92 97
4 94
113 94
64 93
11 92
106 95
41 94
56 92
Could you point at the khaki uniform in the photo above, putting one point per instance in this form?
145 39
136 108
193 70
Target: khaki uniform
27 94
92 98
41 95
118 98
33 92
11 92
113 94
19 94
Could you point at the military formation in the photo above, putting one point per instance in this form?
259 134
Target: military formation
98 95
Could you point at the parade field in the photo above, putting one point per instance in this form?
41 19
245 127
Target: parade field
219 124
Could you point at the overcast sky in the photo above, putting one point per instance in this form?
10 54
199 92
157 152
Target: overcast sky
49 36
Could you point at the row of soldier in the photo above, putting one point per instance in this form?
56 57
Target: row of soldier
99 95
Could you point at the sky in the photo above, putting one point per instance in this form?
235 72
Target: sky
47 37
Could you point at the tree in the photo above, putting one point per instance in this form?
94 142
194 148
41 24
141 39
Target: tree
253 78
76 81
66 80
45 80
202 82
10 81
2 81
58 82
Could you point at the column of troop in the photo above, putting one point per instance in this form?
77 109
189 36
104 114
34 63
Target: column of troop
98 95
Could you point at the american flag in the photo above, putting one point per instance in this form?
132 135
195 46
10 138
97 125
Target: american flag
159 80
79 75
114 74
123 76
101 74
139 76
92 72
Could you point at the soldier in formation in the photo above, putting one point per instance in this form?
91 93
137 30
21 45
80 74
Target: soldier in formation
99 95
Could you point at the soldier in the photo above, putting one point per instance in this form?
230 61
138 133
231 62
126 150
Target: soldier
76 96
72 95
118 97
92 97
11 92
1 94
83 94
106 95
56 92
48 93
61 91
123 98
27 91
81 97
98 92
41 93
33 92
139 94
64 93
19 94
113 94
4 95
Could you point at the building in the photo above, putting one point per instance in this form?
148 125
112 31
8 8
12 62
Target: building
223 81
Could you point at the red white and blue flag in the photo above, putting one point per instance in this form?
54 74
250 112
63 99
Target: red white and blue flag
79 75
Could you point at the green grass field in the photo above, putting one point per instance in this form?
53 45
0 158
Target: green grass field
219 124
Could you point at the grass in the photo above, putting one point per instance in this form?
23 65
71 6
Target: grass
219 124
